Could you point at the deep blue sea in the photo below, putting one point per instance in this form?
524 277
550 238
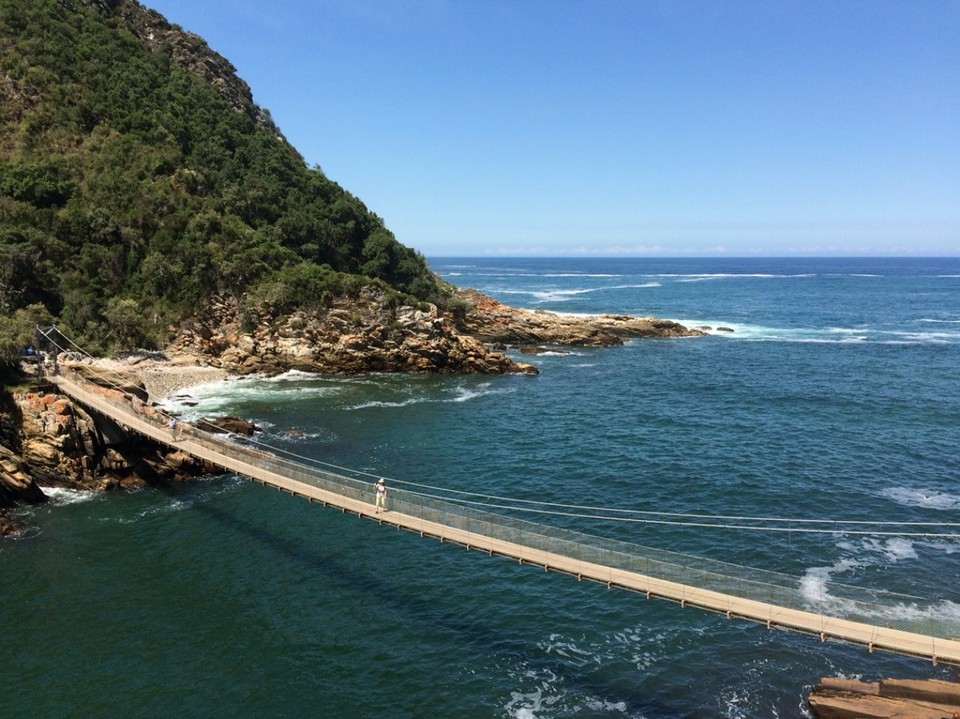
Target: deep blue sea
836 396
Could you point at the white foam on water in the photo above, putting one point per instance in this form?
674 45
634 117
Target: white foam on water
548 699
295 435
559 295
216 486
458 394
540 693
599 705
708 276
576 274
942 611
568 649
924 337
921 497
527 705
174 505
465 394
821 335
892 550
815 584
382 403
61 496
566 294
216 396
740 330
704 278
737 701
940 545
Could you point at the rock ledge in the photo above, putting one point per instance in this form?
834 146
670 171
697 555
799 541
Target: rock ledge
839 698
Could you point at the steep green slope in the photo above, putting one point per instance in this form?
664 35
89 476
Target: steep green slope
138 179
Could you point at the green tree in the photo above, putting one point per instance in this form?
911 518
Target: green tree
17 331
133 187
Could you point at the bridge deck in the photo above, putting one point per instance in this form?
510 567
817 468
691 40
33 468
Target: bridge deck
248 462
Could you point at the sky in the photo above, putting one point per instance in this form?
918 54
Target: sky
599 128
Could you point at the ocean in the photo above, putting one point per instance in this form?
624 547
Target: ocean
836 396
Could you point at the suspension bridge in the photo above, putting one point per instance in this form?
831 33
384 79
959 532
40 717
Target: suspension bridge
856 615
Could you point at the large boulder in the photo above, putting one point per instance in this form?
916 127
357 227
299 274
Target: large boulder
227 425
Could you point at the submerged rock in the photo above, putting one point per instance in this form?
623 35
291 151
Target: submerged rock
8 526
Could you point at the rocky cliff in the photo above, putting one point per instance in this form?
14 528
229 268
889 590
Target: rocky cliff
45 439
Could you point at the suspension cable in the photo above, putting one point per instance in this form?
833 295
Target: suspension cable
702 525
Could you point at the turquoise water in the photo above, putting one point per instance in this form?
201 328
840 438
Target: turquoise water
837 396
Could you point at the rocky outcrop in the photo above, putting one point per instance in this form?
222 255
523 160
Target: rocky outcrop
490 321
838 698
228 425
363 334
368 334
16 482
55 442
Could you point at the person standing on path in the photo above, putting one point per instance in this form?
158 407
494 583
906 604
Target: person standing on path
381 491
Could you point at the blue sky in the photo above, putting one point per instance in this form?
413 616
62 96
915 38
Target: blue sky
609 127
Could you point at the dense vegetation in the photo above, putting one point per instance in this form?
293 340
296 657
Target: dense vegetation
132 190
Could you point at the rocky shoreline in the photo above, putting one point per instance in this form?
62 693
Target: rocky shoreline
368 334
46 439
501 325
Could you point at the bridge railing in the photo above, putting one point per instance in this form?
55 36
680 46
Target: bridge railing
876 607
846 601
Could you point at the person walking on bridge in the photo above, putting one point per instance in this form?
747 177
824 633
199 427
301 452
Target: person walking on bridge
381 492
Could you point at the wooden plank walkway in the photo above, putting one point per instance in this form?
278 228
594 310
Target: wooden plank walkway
936 649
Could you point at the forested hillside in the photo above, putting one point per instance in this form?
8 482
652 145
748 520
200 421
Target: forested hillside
138 179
